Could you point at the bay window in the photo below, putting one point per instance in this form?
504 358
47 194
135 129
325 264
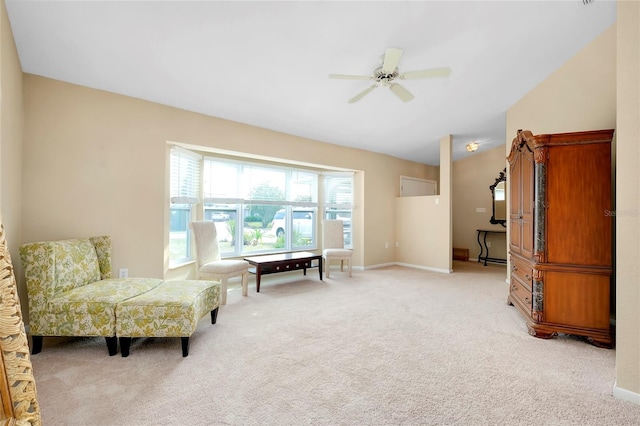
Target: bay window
258 208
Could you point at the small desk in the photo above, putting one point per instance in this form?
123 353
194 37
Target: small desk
485 249
274 263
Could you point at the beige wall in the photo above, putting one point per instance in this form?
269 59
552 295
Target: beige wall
11 123
628 203
581 95
423 224
96 163
472 177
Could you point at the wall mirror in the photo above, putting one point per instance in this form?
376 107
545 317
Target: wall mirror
499 200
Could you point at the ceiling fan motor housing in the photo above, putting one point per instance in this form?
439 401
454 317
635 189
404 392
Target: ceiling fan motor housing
379 75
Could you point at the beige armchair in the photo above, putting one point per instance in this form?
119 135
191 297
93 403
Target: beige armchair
333 245
209 265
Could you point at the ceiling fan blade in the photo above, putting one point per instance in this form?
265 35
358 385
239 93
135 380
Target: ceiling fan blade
434 72
362 94
391 59
400 92
351 77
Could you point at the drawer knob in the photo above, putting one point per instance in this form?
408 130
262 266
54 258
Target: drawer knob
527 277
514 287
514 268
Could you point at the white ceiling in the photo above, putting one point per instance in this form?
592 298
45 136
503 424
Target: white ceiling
266 63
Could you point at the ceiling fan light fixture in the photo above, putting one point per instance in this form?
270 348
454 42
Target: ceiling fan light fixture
472 146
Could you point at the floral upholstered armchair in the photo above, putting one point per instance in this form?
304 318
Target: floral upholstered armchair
71 292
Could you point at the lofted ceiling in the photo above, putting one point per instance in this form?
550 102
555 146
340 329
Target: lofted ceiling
266 63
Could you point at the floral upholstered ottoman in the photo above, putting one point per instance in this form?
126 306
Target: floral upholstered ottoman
172 309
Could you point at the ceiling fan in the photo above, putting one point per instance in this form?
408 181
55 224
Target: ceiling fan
388 72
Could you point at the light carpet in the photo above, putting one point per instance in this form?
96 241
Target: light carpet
390 346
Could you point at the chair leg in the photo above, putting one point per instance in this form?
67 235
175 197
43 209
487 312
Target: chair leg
112 345
185 346
223 290
245 284
37 344
341 265
214 315
125 345
350 262
328 268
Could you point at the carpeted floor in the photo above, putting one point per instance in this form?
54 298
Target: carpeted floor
391 346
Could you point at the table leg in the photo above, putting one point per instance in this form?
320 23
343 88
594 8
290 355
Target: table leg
486 248
258 272
320 268
480 244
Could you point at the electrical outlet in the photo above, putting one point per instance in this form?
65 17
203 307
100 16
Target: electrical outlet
386 244
124 273
397 244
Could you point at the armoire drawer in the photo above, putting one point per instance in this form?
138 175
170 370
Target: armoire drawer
521 293
523 271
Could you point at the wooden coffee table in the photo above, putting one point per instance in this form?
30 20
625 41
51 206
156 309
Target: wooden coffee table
274 263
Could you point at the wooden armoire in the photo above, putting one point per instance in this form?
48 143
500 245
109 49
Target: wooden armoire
561 224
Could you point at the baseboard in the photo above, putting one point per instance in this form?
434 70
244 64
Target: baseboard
408 265
427 268
625 395
336 267
380 265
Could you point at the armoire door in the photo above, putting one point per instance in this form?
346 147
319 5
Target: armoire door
521 204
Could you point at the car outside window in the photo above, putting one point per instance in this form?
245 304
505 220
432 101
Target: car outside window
303 223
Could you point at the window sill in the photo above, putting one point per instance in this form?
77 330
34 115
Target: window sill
174 266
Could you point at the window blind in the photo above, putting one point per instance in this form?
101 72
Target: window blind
184 176
338 190
228 182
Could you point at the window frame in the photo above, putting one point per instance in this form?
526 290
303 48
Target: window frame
184 196
332 206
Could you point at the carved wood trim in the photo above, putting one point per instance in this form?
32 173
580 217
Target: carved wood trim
537 316
538 275
540 154
521 140
572 138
